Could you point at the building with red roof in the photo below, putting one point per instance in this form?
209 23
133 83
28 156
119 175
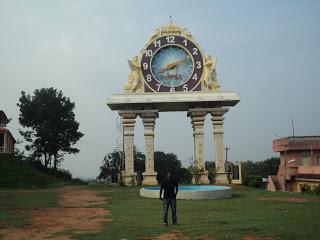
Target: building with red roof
7 141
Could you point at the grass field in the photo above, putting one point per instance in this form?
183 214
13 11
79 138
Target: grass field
134 217
15 205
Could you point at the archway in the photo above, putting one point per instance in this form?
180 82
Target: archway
172 74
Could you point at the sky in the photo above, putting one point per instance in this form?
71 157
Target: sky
268 53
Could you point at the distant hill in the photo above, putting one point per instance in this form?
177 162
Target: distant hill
15 173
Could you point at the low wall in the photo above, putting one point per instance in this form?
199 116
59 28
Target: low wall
190 194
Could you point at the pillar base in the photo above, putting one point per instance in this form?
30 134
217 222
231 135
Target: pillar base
129 179
222 178
203 179
150 179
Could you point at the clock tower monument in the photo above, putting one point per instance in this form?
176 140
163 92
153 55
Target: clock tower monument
172 73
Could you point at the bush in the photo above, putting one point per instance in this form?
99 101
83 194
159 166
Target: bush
78 181
196 173
184 175
260 168
16 173
212 172
212 175
306 188
58 173
254 181
139 178
317 189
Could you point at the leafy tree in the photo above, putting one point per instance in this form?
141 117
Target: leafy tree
212 172
196 173
49 125
229 166
255 171
112 159
185 175
164 162
139 163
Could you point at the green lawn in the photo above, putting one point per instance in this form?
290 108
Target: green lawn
135 217
15 205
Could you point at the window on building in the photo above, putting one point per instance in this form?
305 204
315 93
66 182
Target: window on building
318 161
1 139
305 158
1 142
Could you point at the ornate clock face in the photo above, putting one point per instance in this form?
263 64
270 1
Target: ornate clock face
172 63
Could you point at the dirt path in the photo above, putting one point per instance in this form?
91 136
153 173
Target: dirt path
178 235
75 213
174 235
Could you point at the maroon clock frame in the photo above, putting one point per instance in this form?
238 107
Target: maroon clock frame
192 84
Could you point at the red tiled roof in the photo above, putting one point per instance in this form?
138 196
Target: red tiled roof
3 118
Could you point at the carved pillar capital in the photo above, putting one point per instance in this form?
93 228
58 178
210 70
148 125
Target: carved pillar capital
149 119
217 119
197 120
128 122
217 113
128 114
149 114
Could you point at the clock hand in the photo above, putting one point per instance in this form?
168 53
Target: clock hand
173 65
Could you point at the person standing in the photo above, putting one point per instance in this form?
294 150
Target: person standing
169 187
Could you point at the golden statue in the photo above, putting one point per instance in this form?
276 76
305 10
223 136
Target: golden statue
210 81
134 83
154 35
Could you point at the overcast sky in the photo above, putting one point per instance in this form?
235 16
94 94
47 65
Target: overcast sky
268 52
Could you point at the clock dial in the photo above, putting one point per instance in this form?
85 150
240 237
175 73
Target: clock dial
172 66
172 63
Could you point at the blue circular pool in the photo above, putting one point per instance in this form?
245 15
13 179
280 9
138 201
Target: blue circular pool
191 192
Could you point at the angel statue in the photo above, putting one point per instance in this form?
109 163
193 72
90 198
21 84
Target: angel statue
210 75
134 83
154 35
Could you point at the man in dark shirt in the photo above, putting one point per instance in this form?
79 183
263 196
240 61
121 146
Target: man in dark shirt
169 187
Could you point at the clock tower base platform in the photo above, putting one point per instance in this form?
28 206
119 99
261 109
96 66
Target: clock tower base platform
149 179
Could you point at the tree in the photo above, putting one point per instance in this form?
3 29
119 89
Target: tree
112 159
139 164
196 173
139 160
253 172
49 125
164 162
212 172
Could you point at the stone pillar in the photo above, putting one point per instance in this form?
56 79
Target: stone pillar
128 121
197 119
149 119
217 121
